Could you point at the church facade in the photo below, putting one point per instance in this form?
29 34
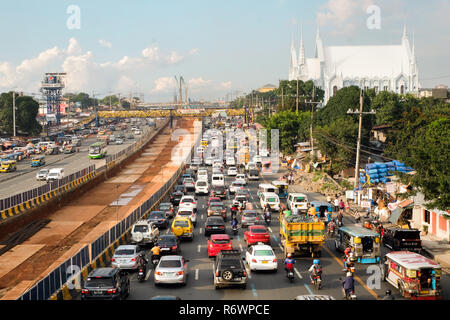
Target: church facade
382 67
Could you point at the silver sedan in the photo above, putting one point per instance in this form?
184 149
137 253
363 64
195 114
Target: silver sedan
171 270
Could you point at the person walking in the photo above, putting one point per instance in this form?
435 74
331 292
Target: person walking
341 205
336 204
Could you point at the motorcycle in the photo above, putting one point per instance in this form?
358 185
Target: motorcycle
349 294
155 260
350 267
331 228
141 275
268 219
290 274
317 279
234 229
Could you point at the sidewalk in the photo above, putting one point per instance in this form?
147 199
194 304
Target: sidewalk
437 249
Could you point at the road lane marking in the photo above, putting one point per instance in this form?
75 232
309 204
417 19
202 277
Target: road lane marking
202 216
240 247
281 247
275 238
298 273
200 230
247 268
199 247
253 290
196 274
373 293
270 229
148 274
309 290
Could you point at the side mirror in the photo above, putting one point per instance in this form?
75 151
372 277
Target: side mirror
243 258
186 261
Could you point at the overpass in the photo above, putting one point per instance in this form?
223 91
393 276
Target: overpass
160 112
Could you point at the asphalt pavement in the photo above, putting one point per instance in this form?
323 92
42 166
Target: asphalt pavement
262 285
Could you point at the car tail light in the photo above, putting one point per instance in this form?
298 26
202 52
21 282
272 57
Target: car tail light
194 202
112 259
179 273
111 291
230 246
254 260
217 273
221 227
134 259
190 229
85 291
174 248
208 227
245 274
158 273
274 260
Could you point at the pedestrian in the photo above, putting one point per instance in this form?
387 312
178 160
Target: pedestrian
336 204
341 205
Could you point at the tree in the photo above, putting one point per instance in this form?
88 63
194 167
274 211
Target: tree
113 99
288 89
388 107
26 111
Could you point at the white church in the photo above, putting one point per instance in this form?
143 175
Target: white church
383 67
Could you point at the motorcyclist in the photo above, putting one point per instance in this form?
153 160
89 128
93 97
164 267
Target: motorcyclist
315 270
388 295
289 262
331 226
347 257
156 252
267 212
142 262
340 217
233 209
348 284
234 222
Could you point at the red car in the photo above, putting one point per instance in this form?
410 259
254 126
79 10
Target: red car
217 243
214 199
257 234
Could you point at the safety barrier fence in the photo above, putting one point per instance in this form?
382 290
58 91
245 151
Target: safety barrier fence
58 284
22 202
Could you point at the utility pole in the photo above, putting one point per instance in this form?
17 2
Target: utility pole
313 103
282 98
358 148
296 108
14 113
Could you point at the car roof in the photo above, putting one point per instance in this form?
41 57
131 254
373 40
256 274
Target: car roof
165 203
270 194
171 257
181 219
262 247
126 246
257 227
164 236
297 194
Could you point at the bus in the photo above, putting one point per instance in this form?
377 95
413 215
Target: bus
97 150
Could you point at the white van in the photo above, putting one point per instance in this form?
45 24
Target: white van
201 186
55 174
202 175
230 161
299 200
266 187
271 199
218 180
253 174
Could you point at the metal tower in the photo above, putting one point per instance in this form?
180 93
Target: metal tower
51 88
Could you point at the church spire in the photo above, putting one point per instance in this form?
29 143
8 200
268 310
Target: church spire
293 61
404 32
301 57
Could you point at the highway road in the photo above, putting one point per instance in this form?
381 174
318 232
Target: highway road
261 285
25 177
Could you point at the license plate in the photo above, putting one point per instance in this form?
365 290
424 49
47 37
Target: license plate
238 279
424 292
171 274
98 292
264 261
215 227
165 249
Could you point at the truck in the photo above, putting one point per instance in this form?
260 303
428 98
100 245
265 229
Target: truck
301 235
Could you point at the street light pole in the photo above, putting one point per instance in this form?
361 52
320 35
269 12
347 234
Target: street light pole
14 113
296 108
358 148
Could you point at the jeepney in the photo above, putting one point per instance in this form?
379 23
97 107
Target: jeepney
414 275
8 166
38 161
364 243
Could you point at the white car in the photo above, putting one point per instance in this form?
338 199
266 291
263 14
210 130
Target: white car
241 178
42 174
235 185
188 201
298 200
187 212
232 171
271 199
201 186
209 161
257 159
171 269
144 232
261 257
218 180
202 175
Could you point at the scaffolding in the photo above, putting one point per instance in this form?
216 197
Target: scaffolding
51 88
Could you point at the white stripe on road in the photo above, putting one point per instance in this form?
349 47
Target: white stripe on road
248 272
202 217
148 274
200 230
196 274
198 248
281 247
240 247
298 273
270 229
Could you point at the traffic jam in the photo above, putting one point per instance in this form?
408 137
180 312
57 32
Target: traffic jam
232 229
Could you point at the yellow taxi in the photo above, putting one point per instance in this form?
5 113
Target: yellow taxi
183 228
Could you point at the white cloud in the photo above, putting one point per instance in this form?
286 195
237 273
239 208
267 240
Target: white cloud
341 15
193 51
226 84
164 84
73 47
105 43
195 83
151 53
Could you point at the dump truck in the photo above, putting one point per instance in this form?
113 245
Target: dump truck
301 235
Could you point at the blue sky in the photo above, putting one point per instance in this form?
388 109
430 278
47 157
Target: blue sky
218 46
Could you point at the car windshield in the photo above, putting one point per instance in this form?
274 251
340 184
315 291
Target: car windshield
157 215
124 252
188 200
164 207
253 172
219 190
140 228
265 252
170 264
299 199
272 200
181 223
413 234
214 221
231 263
216 208
258 230
201 183
184 213
221 241
250 214
99 282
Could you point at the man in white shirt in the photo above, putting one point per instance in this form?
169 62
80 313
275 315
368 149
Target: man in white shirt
336 204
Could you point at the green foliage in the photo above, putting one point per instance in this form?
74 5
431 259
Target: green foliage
288 89
26 112
83 98
113 99
346 184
